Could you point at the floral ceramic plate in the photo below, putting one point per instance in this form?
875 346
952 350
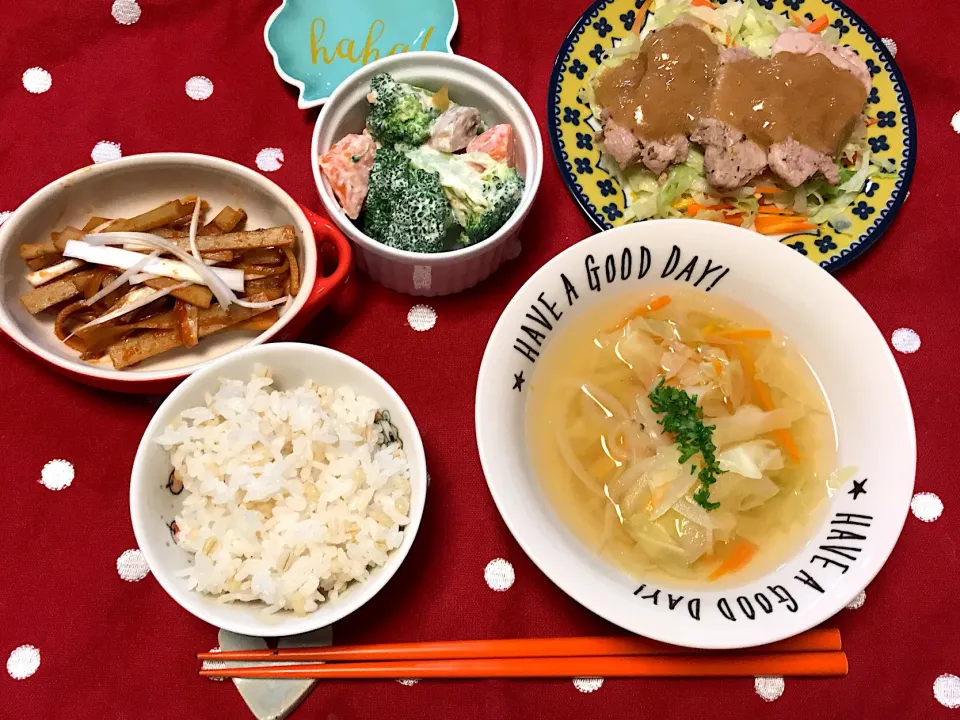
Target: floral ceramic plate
316 44
599 194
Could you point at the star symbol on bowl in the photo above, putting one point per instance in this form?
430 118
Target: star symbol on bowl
518 381
858 488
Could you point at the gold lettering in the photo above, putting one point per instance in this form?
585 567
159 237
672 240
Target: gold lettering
368 49
426 38
345 50
315 47
399 48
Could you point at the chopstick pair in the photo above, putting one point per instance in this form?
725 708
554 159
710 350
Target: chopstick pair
814 653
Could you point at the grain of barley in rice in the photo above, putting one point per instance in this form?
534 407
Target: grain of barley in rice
290 496
681 437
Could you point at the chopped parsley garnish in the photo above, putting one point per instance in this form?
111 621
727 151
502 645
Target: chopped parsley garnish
683 419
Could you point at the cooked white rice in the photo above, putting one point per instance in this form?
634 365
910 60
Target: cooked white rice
289 496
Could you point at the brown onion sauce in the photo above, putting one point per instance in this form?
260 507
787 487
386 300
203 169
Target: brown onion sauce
677 78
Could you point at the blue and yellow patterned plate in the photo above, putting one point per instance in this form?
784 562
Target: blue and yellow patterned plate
598 193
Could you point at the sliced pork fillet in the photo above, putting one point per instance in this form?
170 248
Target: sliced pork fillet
729 159
800 42
796 163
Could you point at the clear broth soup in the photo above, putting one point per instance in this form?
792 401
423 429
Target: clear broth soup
740 484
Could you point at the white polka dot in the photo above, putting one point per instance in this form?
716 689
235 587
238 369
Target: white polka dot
858 601
125 12
422 277
769 688
214 665
954 123
946 689
422 317
105 151
132 566
409 682
270 159
890 44
905 340
588 684
199 87
499 574
926 506
24 661
57 475
5 215
513 251
37 80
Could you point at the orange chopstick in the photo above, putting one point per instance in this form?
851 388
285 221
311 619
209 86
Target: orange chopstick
818 640
826 664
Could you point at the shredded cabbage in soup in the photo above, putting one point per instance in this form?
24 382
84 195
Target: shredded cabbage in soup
681 435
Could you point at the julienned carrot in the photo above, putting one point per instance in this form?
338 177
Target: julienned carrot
738 557
800 22
694 208
732 219
871 121
766 190
641 17
818 25
782 435
747 334
775 225
652 306
774 210
703 3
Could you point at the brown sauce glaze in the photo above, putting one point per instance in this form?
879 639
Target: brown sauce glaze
666 88
806 97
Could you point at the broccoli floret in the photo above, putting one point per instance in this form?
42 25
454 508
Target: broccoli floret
482 191
502 190
397 114
406 207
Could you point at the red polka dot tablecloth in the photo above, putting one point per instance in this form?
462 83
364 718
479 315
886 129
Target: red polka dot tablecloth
87 632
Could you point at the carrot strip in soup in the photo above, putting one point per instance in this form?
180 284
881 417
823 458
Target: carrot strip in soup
652 306
765 402
747 334
737 559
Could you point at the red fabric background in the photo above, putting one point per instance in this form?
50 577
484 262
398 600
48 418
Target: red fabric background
112 649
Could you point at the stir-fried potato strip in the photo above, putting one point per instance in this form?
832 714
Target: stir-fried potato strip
127 316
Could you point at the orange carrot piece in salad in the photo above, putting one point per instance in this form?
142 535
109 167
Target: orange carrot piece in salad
652 306
774 225
641 17
798 21
871 121
694 208
747 334
703 3
818 25
738 558
766 190
774 210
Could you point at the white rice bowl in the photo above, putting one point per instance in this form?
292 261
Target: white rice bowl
290 496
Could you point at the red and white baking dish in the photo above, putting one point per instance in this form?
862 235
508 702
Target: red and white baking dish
132 185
